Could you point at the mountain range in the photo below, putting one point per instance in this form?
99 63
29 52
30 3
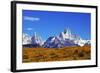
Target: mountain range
65 38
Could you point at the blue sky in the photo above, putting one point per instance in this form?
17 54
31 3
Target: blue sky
51 23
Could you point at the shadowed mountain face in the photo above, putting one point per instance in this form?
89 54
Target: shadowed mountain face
53 42
64 39
56 42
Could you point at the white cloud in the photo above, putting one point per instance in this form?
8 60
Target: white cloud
29 29
31 18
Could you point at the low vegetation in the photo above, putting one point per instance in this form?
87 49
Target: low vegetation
55 54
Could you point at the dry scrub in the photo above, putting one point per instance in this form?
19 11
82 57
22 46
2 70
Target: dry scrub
55 54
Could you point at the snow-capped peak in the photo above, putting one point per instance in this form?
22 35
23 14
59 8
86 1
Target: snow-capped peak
62 35
26 39
67 35
36 40
65 38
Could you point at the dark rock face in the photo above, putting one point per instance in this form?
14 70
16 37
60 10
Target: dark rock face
31 45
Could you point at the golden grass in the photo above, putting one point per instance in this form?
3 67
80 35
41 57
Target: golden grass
51 54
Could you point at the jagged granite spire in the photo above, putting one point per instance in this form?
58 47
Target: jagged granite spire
36 40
